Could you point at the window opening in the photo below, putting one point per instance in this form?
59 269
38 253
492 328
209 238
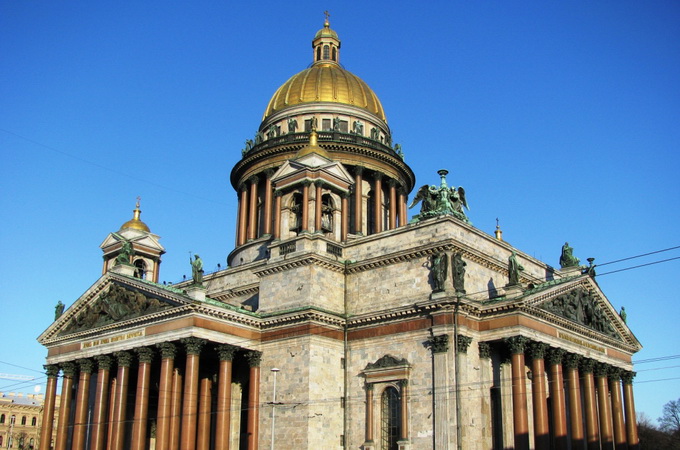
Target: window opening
391 419
140 269
326 52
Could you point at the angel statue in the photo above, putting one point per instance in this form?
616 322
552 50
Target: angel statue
440 201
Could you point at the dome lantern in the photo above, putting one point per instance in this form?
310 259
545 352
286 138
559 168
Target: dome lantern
326 44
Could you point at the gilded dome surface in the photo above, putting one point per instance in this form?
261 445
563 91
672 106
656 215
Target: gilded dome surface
325 83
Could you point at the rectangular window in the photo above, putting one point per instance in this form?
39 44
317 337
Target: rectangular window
326 125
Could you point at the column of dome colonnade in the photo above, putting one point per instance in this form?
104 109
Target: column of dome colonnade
592 402
99 415
260 206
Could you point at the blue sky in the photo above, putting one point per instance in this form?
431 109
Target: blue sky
562 119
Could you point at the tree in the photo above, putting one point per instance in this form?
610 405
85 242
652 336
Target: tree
670 420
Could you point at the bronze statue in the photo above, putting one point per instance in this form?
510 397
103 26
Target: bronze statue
358 127
623 314
514 270
125 254
292 125
458 273
58 310
440 266
440 201
197 270
567 258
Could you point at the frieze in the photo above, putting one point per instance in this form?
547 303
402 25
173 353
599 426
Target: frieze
115 304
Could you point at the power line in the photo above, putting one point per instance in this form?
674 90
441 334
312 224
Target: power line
640 256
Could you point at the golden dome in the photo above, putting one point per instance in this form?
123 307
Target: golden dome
325 82
135 223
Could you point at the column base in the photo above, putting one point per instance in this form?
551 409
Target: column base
196 292
404 445
368 445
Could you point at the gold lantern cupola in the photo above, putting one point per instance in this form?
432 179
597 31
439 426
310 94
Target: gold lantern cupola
136 223
326 44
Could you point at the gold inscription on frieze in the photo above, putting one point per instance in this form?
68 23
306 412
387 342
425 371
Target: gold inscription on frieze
580 342
112 339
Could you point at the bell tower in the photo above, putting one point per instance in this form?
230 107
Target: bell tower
133 249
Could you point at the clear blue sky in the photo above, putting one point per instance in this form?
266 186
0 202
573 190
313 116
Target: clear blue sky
562 119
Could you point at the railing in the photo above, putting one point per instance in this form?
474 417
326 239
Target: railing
324 136
288 247
334 250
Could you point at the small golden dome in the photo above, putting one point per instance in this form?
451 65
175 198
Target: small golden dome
326 32
325 83
135 223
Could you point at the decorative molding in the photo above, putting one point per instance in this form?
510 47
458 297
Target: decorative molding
387 361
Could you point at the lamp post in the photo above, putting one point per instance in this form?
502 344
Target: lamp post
275 371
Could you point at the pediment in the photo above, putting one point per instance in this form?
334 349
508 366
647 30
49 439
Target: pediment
333 170
138 238
113 300
583 307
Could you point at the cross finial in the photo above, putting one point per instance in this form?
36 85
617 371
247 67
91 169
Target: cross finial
138 200
327 14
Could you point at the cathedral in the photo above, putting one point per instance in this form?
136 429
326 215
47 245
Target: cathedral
339 323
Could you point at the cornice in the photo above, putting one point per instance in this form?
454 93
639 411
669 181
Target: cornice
300 261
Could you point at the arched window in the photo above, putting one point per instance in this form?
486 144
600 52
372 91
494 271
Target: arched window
318 53
326 52
295 219
34 421
2 419
140 269
390 414
23 420
0 441
13 419
335 54
326 213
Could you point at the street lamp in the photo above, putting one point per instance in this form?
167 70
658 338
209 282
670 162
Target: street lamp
275 371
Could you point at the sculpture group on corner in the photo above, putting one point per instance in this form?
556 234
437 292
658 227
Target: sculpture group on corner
440 201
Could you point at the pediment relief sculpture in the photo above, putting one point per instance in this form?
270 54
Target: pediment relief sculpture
387 361
581 306
115 304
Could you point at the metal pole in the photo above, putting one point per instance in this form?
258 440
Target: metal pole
275 370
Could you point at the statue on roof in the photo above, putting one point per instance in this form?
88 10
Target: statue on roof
458 273
440 269
567 258
514 270
623 314
292 125
125 254
58 310
440 201
197 270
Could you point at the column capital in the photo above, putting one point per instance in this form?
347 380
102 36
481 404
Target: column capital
278 193
269 173
555 356
226 352
85 364
358 170
403 383
614 373
627 376
484 350
517 344
601 369
104 362
253 179
587 365
369 386
168 350
193 345
378 176
254 358
462 343
439 344
144 354
572 360
319 183
391 182
242 187
124 358
537 350
306 183
68 368
51 370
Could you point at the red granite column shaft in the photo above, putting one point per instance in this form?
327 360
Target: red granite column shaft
175 410
617 410
304 226
317 207
52 372
631 420
369 412
358 200
403 209
242 216
393 204
344 218
204 401
571 362
252 208
101 398
404 410
520 413
377 199
120 402
69 370
113 394
163 418
559 407
277 215
267 216
253 430
604 404
223 421
539 395
141 417
190 401
590 404
80 419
